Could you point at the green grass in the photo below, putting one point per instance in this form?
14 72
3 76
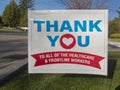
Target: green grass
114 55
115 35
114 39
24 81
10 29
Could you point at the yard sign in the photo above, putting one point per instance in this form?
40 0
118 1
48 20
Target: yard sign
68 41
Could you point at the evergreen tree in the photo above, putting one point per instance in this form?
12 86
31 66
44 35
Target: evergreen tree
24 20
11 14
24 5
0 20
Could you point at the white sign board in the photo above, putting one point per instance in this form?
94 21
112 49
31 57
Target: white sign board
68 41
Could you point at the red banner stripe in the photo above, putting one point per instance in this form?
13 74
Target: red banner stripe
67 58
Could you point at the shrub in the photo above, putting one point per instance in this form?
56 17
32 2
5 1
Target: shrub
116 35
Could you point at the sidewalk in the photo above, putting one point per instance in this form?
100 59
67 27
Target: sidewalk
115 44
11 68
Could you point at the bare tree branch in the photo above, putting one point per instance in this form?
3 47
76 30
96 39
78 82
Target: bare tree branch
100 4
85 4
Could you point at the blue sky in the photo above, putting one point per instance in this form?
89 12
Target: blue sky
54 4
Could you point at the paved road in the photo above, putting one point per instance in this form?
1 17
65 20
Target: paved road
13 43
16 43
13 53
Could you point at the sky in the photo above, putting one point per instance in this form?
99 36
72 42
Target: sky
55 4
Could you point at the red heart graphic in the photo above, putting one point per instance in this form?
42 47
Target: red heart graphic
67 41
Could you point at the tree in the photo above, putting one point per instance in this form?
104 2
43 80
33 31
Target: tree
24 20
0 20
24 5
118 11
114 26
84 4
11 14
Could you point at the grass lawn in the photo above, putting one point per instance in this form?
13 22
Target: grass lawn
114 39
10 29
24 81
